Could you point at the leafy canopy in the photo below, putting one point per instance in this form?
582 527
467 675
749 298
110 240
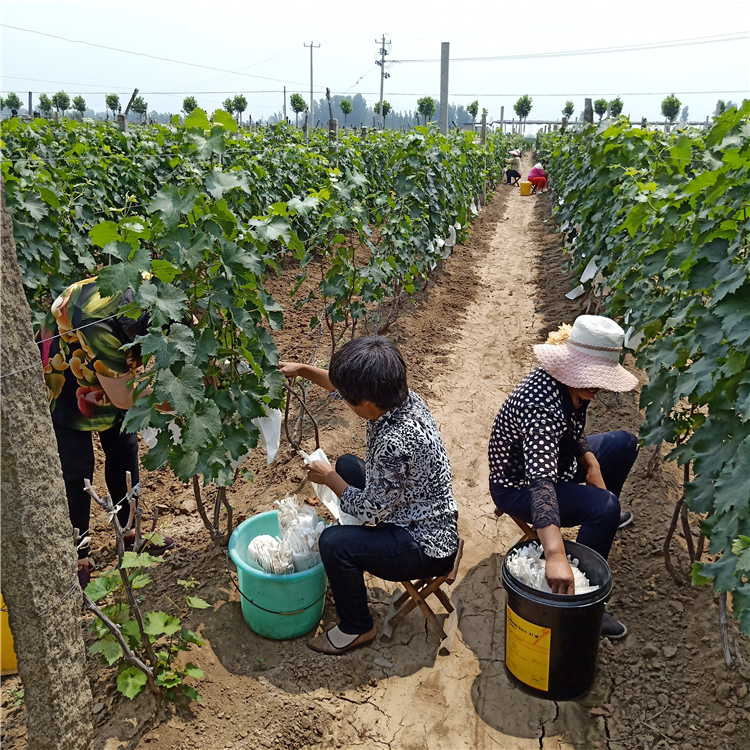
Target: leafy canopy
670 107
523 106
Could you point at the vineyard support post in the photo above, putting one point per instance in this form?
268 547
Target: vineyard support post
484 128
445 49
502 119
588 112
31 109
40 585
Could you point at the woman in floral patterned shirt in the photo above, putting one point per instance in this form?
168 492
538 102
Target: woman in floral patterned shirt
402 490
86 372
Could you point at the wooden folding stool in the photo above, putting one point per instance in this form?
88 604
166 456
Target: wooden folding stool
416 595
529 532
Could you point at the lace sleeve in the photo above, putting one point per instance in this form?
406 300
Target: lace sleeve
544 509
582 446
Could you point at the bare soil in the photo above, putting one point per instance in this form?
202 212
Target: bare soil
467 341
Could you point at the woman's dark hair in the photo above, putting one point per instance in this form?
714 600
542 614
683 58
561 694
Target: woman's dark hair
372 369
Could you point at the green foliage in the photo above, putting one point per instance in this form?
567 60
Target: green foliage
13 101
16 695
157 201
239 105
426 107
113 103
721 107
298 104
139 105
228 105
79 104
161 638
523 107
666 220
670 107
386 109
615 107
45 104
600 107
189 104
473 110
346 107
568 109
61 102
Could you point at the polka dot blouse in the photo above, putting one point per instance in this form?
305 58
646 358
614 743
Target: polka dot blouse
537 437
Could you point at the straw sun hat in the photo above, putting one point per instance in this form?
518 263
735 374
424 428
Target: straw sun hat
587 355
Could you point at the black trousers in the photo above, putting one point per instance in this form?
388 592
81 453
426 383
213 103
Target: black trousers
76 449
386 550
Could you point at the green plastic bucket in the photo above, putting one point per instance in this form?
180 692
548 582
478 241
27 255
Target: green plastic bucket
278 607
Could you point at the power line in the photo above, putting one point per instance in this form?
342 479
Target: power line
144 54
717 39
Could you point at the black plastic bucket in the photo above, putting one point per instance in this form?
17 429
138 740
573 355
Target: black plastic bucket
552 640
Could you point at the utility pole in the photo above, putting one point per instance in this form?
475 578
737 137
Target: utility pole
444 64
383 76
311 46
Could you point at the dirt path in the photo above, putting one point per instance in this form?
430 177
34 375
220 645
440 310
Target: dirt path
465 700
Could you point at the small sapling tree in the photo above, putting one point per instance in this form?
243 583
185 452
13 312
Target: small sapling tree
189 103
113 103
426 108
670 108
298 105
239 104
473 110
346 107
615 107
721 106
386 109
568 109
13 101
228 105
523 108
45 105
61 101
600 107
140 106
79 105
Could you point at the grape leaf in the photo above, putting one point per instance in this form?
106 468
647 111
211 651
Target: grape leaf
131 681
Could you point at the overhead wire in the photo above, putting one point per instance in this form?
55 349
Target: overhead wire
716 39
145 54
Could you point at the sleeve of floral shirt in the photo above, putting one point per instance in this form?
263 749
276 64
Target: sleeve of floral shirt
541 442
388 472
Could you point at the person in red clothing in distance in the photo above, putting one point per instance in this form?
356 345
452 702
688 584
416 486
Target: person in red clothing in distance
538 177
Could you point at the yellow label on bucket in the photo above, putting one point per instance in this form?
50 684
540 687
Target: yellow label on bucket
527 650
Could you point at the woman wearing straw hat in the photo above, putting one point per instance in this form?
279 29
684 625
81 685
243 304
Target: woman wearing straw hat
544 470
513 173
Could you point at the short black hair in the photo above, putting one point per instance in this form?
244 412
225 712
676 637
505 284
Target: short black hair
372 369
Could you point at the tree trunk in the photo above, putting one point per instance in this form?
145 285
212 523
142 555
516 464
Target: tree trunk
39 581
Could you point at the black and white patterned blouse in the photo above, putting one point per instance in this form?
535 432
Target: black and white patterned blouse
536 440
408 479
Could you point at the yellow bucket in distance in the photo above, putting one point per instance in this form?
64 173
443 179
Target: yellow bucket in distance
525 188
8 663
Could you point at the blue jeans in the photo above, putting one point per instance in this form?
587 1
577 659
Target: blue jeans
596 511
386 551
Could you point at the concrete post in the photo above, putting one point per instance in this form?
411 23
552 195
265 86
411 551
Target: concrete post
502 119
363 131
588 112
564 123
484 128
40 585
122 123
644 123
445 48
31 109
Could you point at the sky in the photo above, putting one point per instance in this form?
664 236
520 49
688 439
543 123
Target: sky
259 48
